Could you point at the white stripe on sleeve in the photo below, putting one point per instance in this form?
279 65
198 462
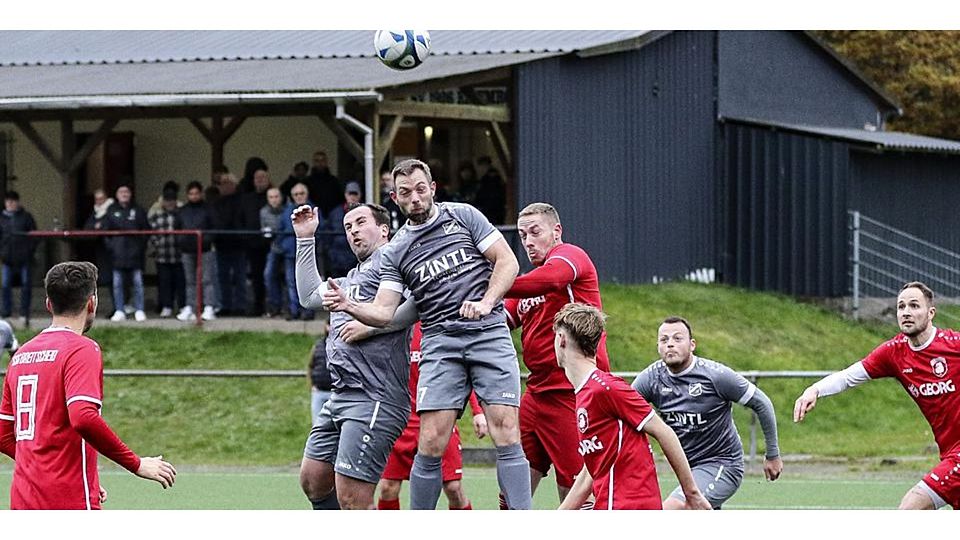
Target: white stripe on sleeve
568 261
491 238
392 286
645 420
748 395
7 418
93 400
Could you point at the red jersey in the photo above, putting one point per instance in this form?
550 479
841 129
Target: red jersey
567 275
611 416
55 468
930 373
415 355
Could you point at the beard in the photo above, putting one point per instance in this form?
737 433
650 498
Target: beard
421 217
87 324
916 330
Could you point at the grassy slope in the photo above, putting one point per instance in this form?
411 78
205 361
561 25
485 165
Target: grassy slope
265 421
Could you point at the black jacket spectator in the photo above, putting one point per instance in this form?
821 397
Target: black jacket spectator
250 205
16 250
491 198
227 214
127 252
325 189
319 372
194 216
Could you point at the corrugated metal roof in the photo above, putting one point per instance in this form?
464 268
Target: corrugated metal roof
117 47
893 140
323 75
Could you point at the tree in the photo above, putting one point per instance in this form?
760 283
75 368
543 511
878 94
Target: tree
919 68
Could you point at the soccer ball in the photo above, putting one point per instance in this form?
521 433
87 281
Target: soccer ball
402 49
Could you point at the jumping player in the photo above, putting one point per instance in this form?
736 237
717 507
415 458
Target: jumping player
458 267
614 422
50 422
924 359
562 273
347 449
401 457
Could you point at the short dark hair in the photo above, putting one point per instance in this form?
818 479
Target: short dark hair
407 166
11 196
674 319
194 185
301 165
69 284
927 291
171 185
380 214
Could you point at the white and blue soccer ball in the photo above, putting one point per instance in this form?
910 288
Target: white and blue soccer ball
402 49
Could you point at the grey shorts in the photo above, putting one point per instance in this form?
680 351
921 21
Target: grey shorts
452 364
356 436
718 482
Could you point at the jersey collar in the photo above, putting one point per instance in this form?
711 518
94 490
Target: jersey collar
584 382
933 336
426 223
692 365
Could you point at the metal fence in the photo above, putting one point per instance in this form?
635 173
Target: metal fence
883 258
752 376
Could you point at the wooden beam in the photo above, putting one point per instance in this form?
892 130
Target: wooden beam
216 142
68 142
355 149
385 140
503 146
30 133
449 111
232 127
202 128
456 81
96 138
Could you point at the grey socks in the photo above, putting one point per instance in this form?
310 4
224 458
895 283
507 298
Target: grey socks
513 474
426 480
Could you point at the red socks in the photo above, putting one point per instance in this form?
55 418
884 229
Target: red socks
384 504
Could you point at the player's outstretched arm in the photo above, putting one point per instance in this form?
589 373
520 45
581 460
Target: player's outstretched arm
834 383
505 270
553 275
670 444
763 407
158 470
378 313
405 317
8 441
579 492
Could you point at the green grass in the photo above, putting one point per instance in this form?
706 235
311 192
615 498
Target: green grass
226 490
264 422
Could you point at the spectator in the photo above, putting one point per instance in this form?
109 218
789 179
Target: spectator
270 216
101 203
16 253
386 188
166 252
301 195
253 165
340 258
491 198
320 381
468 181
300 174
195 215
127 252
157 206
326 191
442 193
230 248
257 246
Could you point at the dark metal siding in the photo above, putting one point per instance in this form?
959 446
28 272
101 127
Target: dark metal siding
784 205
914 192
785 77
623 146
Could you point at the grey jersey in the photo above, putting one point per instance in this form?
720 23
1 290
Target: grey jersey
378 367
697 404
441 262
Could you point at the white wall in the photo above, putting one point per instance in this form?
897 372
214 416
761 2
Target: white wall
169 150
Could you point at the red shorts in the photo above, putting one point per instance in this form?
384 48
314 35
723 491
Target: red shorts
400 461
944 480
549 434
